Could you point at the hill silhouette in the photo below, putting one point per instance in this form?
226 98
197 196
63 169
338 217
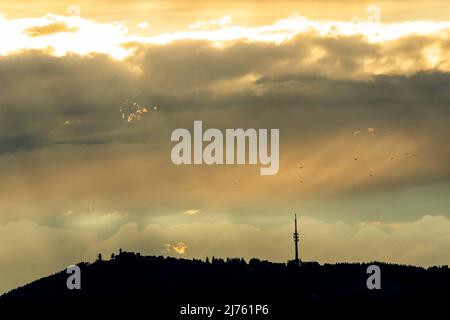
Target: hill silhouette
132 282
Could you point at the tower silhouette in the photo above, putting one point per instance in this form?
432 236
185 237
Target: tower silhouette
296 237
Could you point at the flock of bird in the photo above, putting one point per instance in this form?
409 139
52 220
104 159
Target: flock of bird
371 174
301 167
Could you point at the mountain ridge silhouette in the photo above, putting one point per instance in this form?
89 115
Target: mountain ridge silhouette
130 280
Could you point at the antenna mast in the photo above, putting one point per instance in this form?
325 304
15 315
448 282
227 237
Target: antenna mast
296 239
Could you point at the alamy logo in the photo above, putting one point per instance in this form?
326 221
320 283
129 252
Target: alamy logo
74 280
231 151
374 280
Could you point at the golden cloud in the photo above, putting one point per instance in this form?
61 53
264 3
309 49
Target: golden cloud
52 28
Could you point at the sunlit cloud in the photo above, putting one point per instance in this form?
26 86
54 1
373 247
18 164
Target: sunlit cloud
45 30
191 212
62 35
224 21
143 25
179 248
286 29
132 111
74 34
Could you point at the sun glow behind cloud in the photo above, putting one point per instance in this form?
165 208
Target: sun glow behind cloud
81 37
62 35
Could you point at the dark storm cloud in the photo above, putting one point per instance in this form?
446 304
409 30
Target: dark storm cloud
41 93
19 142
62 128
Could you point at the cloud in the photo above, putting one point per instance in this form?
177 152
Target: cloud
180 248
31 251
132 111
224 21
100 159
100 222
64 35
143 25
192 212
45 30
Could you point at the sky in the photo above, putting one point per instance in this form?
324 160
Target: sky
91 91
